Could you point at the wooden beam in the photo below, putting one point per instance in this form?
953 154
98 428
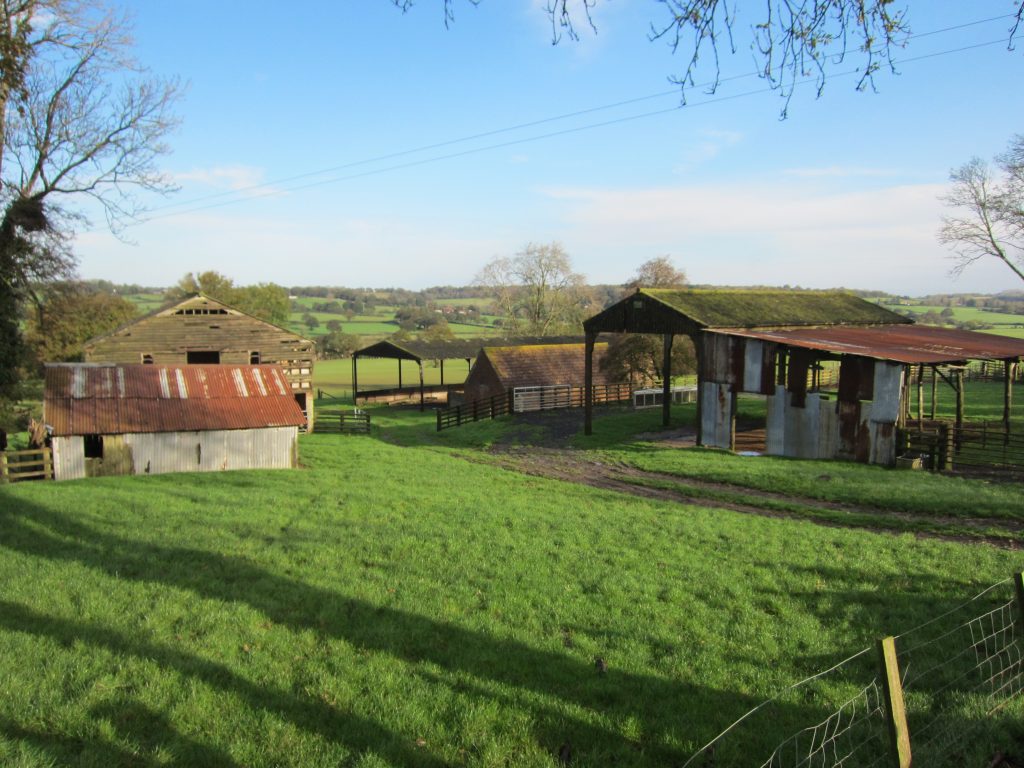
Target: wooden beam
892 689
588 384
666 384
355 378
920 393
1009 367
420 364
959 397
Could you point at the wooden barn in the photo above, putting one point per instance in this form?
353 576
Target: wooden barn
771 343
204 331
499 369
107 419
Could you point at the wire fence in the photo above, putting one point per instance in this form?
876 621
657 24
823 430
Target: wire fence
932 695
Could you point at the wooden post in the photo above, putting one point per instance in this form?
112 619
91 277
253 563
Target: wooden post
420 364
4 472
355 378
47 463
1018 586
442 371
666 385
399 373
1008 366
935 383
959 398
438 420
732 418
945 451
892 690
588 384
920 395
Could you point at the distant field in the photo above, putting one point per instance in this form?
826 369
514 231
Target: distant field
146 302
966 314
335 376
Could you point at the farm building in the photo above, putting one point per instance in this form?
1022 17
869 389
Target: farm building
499 369
108 419
204 331
420 352
771 343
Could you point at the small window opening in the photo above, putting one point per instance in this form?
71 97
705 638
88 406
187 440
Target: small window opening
147 359
200 357
93 446
254 358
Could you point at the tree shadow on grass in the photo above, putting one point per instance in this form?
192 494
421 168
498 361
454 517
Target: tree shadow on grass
567 699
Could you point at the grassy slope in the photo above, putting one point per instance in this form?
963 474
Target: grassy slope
399 606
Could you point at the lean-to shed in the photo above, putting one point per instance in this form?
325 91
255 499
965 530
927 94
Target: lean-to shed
767 341
110 419
203 331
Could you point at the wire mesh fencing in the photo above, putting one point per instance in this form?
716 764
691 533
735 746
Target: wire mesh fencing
935 691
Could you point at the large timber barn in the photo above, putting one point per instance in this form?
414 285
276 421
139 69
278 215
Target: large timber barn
151 419
201 330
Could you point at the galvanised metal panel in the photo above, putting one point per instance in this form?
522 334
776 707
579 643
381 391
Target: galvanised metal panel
68 457
213 451
775 432
888 388
753 364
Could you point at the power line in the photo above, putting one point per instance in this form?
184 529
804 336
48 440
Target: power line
244 193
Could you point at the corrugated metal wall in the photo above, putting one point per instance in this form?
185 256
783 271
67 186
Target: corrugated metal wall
158 453
68 457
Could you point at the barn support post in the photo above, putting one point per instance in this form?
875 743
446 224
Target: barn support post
588 384
935 387
1018 588
1008 374
420 364
355 378
896 714
442 371
920 393
959 397
666 384
399 373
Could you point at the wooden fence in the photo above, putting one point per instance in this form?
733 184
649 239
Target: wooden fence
357 422
972 447
16 466
523 399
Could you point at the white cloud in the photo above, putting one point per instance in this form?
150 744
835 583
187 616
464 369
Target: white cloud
840 171
706 146
234 178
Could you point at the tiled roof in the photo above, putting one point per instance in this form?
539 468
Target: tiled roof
104 399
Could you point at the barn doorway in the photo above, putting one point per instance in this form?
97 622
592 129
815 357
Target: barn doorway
202 357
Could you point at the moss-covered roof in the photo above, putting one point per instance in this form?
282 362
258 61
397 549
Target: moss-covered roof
772 308
544 364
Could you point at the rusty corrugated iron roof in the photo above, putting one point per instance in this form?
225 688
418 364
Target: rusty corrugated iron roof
105 399
914 344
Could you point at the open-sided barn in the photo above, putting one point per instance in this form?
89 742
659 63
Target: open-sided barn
201 330
110 419
768 342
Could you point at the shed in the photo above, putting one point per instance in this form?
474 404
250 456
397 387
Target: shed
501 368
766 341
200 330
108 419
418 351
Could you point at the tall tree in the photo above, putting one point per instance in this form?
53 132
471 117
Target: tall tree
658 272
70 314
267 301
537 290
81 120
991 206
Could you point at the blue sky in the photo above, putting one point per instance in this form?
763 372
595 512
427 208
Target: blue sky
346 94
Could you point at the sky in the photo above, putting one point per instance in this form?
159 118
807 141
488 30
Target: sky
350 144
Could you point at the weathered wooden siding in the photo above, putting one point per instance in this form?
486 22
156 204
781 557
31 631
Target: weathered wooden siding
68 458
716 414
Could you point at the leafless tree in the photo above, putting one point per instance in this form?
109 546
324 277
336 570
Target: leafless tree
537 290
991 206
81 119
658 272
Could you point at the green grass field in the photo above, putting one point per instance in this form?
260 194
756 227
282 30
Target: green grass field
403 600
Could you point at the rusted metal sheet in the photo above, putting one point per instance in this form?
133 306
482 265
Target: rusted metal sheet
716 360
84 399
883 443
888 387
796 378
856 378
828 428
898 343
716 415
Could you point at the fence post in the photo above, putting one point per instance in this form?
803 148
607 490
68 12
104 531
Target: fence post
945 448
1018 586
48 463
438 414
4 478
896 714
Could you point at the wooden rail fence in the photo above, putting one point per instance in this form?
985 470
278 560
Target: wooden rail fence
16 466
357 422
977 447
525 399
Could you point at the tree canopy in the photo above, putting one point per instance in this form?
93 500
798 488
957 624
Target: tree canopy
267 301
